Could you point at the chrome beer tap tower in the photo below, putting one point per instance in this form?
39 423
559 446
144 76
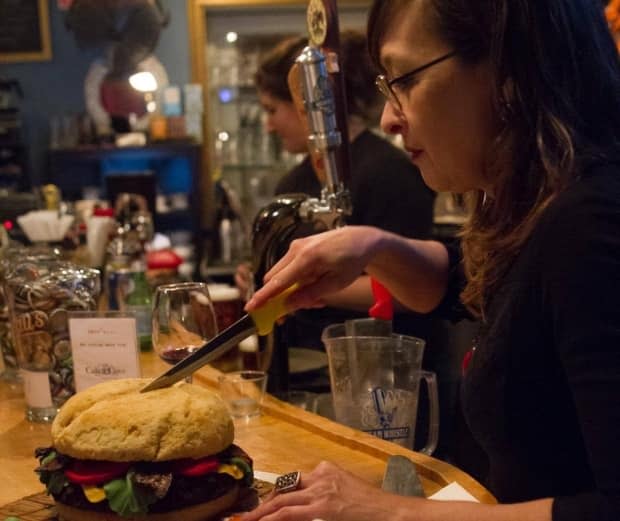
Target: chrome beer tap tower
324 105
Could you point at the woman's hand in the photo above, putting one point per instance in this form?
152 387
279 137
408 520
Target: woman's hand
329 492
322 264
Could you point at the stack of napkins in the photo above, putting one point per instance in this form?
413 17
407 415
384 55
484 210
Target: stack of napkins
45 225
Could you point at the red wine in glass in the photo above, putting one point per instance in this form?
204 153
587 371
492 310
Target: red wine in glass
172 355
183 320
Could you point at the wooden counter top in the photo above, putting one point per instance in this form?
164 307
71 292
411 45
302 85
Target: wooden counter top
282 439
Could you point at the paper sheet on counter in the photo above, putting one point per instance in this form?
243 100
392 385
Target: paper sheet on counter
453 492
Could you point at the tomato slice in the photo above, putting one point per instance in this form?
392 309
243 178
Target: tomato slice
90 472
195 467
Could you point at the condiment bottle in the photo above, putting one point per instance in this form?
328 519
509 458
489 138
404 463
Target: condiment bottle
139 303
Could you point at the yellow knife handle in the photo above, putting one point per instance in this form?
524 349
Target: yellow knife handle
266 316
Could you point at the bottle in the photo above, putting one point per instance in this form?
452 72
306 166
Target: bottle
225 241
138 302
117 270
125 251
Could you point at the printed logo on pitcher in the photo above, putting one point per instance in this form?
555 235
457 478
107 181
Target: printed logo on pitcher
379 414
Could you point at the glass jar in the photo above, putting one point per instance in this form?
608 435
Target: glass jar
40 296
9 257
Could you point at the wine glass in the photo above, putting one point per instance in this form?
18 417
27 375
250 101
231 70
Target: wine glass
183 320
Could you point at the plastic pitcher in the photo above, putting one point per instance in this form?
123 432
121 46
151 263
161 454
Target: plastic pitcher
375 383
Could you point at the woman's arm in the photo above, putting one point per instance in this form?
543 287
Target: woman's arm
415 272
357 296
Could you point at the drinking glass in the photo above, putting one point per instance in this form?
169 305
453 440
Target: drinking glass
183 320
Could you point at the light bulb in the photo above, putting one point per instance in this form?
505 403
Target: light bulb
143 81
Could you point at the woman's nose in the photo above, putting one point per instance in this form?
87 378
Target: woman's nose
392 121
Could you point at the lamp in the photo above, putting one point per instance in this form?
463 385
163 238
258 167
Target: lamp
145 81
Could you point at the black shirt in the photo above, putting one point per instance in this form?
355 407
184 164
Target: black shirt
387 190
542 391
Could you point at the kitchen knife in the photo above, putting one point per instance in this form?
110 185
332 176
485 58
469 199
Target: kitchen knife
401 478
258 321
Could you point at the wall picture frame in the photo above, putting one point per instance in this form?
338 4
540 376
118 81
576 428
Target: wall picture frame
24 31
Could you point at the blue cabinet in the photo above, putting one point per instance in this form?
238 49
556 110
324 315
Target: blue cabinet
162 172
175 169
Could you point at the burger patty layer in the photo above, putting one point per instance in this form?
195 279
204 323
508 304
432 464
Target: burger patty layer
183 492
178 490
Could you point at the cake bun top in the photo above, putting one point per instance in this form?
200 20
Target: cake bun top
114 421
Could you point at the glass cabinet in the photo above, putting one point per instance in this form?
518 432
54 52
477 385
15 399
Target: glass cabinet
227 40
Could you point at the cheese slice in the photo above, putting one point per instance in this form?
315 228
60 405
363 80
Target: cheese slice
93 494
231 470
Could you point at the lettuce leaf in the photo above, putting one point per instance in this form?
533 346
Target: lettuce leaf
50 471
56 482
49 458
126 498
246 468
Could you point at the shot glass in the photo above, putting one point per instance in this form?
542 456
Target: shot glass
243 392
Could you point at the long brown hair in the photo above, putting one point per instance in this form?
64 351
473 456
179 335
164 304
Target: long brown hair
557 93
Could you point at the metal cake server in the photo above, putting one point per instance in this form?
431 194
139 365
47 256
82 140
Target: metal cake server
401 477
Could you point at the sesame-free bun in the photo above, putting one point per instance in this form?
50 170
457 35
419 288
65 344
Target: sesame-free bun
200 512
114 421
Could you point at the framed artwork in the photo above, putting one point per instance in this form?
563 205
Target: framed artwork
24 31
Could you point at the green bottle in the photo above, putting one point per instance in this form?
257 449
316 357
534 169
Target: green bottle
139 303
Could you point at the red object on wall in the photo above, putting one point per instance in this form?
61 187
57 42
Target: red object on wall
119 98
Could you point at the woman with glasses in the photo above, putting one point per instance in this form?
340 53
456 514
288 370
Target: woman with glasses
517 104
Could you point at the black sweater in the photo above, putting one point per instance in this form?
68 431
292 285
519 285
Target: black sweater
542 391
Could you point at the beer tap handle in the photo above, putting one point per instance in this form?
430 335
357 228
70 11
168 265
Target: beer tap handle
320 109
296 90
331 50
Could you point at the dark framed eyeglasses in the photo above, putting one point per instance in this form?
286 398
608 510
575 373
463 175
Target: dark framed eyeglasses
386 87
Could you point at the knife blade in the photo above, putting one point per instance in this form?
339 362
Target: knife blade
401 477
259 321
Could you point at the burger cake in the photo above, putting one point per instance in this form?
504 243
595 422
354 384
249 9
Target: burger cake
166 454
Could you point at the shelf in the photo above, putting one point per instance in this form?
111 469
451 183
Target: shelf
153 150
233 167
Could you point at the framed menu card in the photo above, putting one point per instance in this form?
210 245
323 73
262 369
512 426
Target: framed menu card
24 31
104 346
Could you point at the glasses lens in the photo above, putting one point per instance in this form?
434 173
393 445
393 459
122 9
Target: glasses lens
384 87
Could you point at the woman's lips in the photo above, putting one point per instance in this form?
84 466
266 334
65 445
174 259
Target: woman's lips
414 153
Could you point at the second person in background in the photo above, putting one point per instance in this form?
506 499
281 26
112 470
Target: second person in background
387 191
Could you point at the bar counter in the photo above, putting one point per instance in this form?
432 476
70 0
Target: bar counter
283 438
